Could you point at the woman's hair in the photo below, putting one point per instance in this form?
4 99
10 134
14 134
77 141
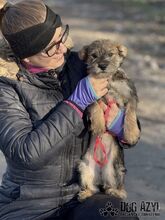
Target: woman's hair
14 18
17 17
24 14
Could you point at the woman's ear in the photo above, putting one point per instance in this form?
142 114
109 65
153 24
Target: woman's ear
26 60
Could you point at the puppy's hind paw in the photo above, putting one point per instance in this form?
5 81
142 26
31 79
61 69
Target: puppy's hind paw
84 194
122 194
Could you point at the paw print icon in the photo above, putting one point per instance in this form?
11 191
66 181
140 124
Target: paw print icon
114 212
108 206
103 212
108 210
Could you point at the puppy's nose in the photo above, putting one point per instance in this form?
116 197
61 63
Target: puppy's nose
102 66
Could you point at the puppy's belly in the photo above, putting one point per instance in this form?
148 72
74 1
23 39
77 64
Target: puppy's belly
106 139
108 142
92 167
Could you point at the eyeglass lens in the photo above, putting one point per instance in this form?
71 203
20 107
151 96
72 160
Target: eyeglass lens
53 49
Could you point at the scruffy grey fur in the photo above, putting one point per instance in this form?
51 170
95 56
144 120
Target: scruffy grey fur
104 59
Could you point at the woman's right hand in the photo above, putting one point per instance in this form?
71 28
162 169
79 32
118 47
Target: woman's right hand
88 90
99 85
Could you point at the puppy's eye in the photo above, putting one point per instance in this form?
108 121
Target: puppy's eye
94 55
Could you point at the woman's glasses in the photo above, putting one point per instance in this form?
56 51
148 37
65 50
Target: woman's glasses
53 48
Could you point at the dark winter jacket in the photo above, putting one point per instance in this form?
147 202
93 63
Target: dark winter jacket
42 139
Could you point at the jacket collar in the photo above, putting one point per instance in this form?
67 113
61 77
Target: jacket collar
44 80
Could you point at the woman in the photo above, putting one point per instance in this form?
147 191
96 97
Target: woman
43 130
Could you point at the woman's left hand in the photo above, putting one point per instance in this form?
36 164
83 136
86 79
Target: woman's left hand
113 109
114 116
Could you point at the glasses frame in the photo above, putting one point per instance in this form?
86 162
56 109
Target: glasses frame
57 44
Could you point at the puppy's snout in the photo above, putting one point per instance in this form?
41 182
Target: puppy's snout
103 66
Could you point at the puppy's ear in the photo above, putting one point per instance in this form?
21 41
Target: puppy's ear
83 53
122 51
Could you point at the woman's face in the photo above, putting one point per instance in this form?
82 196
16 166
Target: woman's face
43 60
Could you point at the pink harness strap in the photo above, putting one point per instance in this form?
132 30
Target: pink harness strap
106 113
98 142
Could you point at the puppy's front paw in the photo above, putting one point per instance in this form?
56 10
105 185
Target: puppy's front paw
97 119
131 133
98 127
131 130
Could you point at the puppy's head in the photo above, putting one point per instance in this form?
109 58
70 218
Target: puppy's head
103 57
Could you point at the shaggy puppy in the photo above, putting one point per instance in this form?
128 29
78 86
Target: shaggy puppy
103 59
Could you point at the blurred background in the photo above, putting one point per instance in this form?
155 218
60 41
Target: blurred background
140 25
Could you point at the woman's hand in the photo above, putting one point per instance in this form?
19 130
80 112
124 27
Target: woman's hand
114 116
99 86
88 90
113 109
